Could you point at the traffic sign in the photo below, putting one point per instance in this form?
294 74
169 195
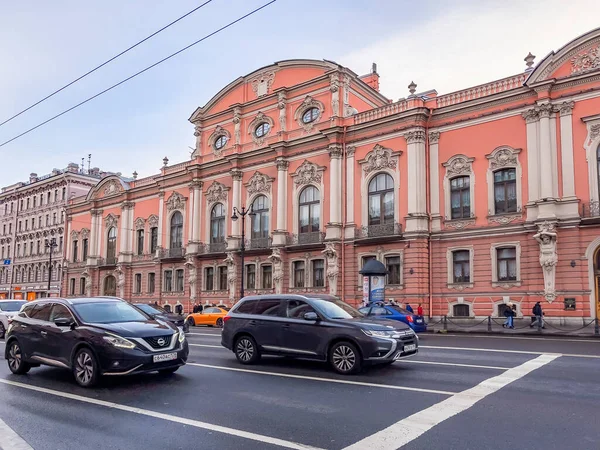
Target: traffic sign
7 262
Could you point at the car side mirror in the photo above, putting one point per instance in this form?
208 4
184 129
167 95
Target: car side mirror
311 316
64 322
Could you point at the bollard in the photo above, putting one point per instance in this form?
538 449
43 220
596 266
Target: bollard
489 323
445 323
596 329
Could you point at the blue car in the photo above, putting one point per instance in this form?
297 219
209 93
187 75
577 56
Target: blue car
417 323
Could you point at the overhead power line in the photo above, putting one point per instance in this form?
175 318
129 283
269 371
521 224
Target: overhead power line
105 63
138 73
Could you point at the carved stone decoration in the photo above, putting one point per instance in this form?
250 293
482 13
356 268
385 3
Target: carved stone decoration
565 108
531 115
88 283
176 202
277 262
258 183
139 223
237 121
281 104
459 224
74 234
415 136
307 173
545 110
260 118
594 132
348 110
219 132
198 135
458 165
547 237
588 60
282 164
113 187
333 269
120 275
434 137
262 83
217 192
504 219
335 151
236 174
307 104
111 221
503 157
192 276
153 221
85 233
379 158
231 275
334 87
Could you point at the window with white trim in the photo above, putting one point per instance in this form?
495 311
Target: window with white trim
504 181
460 266
299 273
506 264
392 264
318 272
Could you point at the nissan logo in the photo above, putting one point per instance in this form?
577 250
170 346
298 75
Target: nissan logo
160 342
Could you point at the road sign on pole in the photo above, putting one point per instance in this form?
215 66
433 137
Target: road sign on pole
7 262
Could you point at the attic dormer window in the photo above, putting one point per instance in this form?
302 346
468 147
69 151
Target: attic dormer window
262 129
311 115
220 142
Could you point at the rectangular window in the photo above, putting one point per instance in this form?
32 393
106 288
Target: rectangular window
75 250
48 217
2 252
26 224
153 239
18 249
72 286
267 277
31 247
33 223
48 198
64 193
137 288
392 264
461 266
19 225
222 278
27 203
318 273
34 201
151 283
39 243
10 228
179 280
366 259
62 217
251 276
84 253
168 281
82 286
4 229
60 244
507 263
505 191
209 276
299 274
53 218
140 242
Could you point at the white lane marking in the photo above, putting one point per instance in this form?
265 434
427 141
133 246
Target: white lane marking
168 417
522 352
474 366
521 338
9 440
205 334
410 428
206 345
327 380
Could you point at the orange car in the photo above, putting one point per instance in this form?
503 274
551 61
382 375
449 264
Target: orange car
211 316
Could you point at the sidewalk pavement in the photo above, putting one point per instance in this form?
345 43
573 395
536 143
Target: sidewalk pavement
587 328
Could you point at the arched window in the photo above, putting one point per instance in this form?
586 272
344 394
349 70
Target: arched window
309 216
110 286
217 224
381 200
260 219
177 230
111 245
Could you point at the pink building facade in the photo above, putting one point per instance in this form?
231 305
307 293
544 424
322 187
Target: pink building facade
471 200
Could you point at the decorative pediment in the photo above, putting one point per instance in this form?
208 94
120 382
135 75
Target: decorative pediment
109 186
74 234
85 233
217 192
307 173
459 165
111 221
261 83
380 158
503 157
153 221
139 223
259 183
307 104
112 188
176 202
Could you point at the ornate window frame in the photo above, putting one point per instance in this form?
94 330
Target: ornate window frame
592 146
460 301
450 266
494 258
260 118
307 174
292 277
183 234
216 193
219 131
458 166
393 253
504 157
259 276
250 198
308 103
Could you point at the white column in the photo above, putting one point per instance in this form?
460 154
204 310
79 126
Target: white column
533 169
545 163
335 184
161 214
93 235
417 197
279 236
100 227
350 190
434 180
196 210
236 174
566 146
69 242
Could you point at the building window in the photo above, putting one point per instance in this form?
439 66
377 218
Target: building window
48 218
179 280
151 283
48 198
318 273
262 129
222 278
38 247
310 115
460 310
55 195
64 193
34 201
176 230
260 219
365 259
62 217
209 276
27 204
33 223
82 286
53 218
460 197
251 276
392 264
26 224
217 224
266 276
19 229
461 266
22 205
31 247
309 210
153 239
18 249
220 142
111 244
168 281
140 242
505 191
72 286
507 263
84 250
137 286
299 276
381 200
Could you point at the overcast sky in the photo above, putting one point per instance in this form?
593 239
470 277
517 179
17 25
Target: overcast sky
440 45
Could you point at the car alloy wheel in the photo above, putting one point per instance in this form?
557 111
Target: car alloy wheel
246 350
191 322
220 322
85 368
345 358
15 359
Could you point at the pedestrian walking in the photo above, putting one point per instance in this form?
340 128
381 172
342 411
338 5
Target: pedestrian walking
509 313
538 313
409 308
420 310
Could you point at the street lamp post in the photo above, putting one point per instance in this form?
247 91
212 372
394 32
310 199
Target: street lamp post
50 244
242 213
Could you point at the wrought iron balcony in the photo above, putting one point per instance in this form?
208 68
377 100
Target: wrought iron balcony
172 253
214 247
259 243
313 237
108 261
380 230
591 209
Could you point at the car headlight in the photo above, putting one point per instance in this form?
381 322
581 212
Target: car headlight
181 336
375 333
118 341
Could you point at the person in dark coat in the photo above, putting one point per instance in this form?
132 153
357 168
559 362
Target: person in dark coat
409 308
509 313
539 316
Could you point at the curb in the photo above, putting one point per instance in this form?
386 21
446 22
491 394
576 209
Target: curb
542 334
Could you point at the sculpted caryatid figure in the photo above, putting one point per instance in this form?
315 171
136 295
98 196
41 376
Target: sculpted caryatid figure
547 237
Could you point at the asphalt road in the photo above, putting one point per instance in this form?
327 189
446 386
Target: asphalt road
460 392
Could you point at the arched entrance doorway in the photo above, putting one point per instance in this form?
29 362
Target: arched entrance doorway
110 286
597 280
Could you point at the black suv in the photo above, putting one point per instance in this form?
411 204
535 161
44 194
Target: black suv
92 337
316 327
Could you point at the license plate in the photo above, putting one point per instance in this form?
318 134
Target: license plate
419 320
410 348
164 357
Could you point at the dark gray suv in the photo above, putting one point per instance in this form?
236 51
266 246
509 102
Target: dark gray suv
316 327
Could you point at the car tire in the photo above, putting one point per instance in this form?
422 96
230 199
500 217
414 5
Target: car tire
219 322
2 331
246 351
168 371
85 368
191 322
15 359
345 358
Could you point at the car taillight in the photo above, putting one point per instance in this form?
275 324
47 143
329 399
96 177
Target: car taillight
409 318
226 318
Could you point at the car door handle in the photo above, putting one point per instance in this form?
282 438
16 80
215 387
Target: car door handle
253 322
44 333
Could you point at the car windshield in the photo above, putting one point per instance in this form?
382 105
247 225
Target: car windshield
336 309
109 312
11 306
149 309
